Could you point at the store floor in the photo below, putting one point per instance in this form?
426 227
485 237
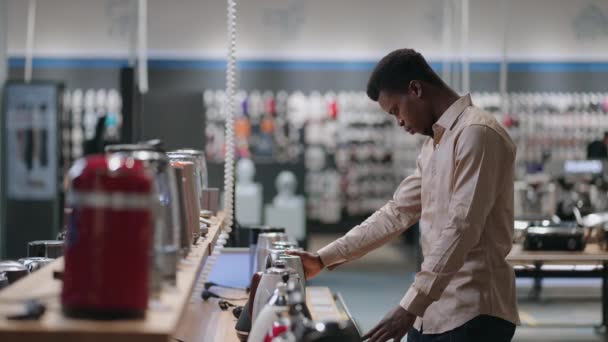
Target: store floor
374 284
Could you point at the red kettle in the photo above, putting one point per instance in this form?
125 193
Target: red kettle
109 239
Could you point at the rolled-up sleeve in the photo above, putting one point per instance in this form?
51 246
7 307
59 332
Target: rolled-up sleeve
477 177
392 219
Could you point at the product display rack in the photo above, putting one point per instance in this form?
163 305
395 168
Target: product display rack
160 324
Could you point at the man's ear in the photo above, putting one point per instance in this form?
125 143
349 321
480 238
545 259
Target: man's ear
415 87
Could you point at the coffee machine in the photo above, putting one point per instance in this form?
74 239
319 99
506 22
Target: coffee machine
535 197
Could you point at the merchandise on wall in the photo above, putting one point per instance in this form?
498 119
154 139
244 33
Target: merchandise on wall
263 130
32 118
549 126
31 155
91 119
354 154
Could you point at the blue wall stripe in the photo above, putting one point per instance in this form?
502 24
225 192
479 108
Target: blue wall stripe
558 67
300 65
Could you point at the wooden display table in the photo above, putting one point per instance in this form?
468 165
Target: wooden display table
591 255
590 263
161 320
206 322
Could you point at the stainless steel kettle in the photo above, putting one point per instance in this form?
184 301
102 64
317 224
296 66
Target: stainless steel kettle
35 263
295 263
254 233
279 248
13 270
3 280
279 273
45 248
265 242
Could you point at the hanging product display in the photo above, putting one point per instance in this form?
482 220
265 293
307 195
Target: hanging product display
32 115
94 114
549 126
263 130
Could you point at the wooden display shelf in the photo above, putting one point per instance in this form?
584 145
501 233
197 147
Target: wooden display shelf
591 254
206 322
161 320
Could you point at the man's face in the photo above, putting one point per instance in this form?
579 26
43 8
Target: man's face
411 112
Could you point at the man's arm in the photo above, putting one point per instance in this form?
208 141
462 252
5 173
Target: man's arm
481 155
392 219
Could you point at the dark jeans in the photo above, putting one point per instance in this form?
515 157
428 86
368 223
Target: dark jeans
482 328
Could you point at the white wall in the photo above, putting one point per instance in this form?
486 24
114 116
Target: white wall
315 29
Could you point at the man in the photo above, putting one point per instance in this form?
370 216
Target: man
598 149
462 194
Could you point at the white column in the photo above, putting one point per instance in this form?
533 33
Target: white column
133 32
464 47
502 78
3 77
29 40
142 45
3 43
446 37
456 69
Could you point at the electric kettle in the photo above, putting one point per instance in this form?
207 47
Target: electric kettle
35 263
279 248
45 248
254 233
109 238
13 270
276 305
279 273
265 241
202 163
3 280
190 197
198 181
166 215
184 228
295 263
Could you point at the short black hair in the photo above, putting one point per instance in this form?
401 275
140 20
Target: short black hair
395 71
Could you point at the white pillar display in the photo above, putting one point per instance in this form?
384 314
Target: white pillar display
464 47
29 40
503 62
133 32
3 44
446 37
3 77
142 46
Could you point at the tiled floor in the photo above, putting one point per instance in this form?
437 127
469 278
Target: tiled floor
374 284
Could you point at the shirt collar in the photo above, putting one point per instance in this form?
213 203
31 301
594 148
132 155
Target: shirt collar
448 118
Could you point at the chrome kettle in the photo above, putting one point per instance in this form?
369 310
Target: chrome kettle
279 248
13 270
265 242
279 273
35 263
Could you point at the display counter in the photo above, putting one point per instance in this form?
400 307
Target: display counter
589 263
160 323
180 313
204 321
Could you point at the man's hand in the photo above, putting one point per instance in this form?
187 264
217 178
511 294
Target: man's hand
311 261
393 326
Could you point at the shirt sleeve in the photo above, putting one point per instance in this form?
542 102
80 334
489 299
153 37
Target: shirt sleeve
480 154
392 219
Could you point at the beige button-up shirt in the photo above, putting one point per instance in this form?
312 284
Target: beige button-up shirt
462 195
